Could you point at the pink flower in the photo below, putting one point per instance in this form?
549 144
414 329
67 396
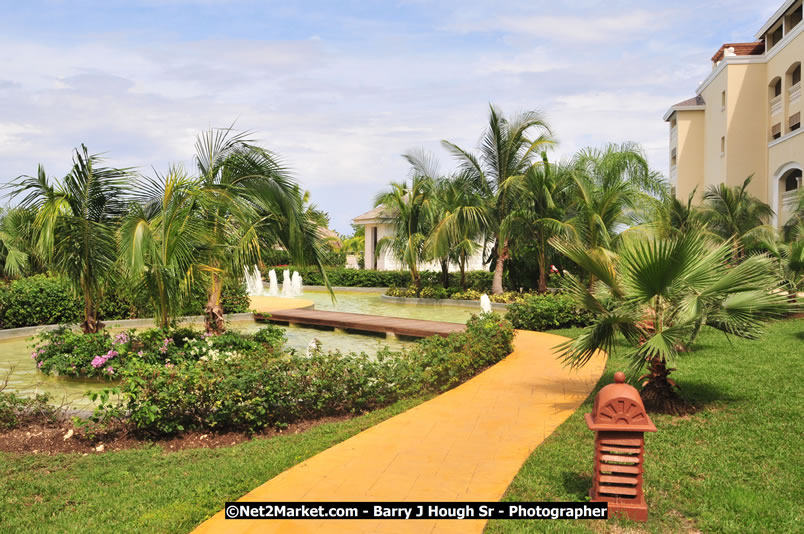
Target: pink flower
39 365
121 338
109 370
169 365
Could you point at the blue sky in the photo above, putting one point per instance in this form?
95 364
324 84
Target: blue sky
341 89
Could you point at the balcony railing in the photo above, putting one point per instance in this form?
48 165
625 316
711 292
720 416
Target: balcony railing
776 105
795 93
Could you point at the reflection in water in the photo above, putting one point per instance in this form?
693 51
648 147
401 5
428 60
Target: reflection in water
23 378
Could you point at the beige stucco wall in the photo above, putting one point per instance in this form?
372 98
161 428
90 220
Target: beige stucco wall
715 125
746 123
690 155
747 130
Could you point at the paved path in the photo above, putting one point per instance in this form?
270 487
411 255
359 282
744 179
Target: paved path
269 304
464 445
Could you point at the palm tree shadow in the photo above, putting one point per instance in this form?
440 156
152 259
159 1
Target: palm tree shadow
701 393
577 484
800 335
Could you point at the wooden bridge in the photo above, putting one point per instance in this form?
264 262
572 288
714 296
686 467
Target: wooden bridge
361 322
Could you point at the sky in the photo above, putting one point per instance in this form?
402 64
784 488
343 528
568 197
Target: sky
340 90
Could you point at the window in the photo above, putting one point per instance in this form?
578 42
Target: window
722 100
673 122
722 145
777 35
795 77
795 121
777 88
792 181
795 17
673 159
776 130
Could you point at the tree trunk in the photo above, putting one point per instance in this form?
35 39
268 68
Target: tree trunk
91 325
542 270
445 273
214 323
502 255
463 270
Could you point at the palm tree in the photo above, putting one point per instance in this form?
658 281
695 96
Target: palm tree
793 228
733 213
658 294
506 152
543 202
249 204
612 184
17 242
412 208
462 216
76 221
788 262
159 240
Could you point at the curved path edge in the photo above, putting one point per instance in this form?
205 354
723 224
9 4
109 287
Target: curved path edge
464 445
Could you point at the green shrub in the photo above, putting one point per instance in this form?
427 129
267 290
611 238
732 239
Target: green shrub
546 312
342 277
38 300
15 411
259 389
431 292
404 292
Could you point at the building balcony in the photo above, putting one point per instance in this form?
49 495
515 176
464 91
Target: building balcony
776 105
795 93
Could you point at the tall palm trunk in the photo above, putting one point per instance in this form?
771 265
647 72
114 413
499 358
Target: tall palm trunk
445 273
502 255
91 325
463 270
213 312
542 267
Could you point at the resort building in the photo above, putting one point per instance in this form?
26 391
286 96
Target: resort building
379 223
745 118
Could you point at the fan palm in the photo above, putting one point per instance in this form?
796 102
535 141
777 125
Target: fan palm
793 228
733 213
159 239
506 152
658 294
76 222
17 242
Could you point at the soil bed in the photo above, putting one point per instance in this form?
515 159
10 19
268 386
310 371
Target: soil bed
48 438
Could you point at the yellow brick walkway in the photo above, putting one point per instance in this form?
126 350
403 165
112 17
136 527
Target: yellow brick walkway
464 445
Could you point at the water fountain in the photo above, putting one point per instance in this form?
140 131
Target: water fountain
254 285
296 283
286 287
273 287
485 304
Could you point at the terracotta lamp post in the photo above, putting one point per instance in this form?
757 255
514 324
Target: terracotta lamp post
619 421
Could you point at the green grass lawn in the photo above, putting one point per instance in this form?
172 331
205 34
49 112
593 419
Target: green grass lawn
149 490
735 466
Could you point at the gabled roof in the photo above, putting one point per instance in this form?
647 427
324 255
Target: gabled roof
378 214
691 104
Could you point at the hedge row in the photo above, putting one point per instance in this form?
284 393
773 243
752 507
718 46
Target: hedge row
260 389
40 299
547 312
477 280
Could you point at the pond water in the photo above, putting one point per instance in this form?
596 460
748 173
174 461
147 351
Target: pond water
16 363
